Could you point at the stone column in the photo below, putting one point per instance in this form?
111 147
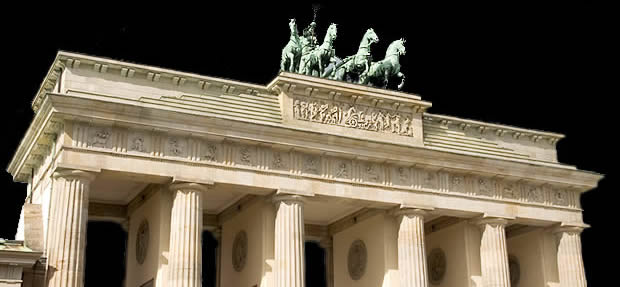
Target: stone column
570 262
493 252
411 251
185 254
328 246
289 242
67 229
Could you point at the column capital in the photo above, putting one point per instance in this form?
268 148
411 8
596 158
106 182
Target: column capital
569 227
289 198
188 186
493 220
84 175
412 210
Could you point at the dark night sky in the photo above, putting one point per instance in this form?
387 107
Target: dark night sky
541 67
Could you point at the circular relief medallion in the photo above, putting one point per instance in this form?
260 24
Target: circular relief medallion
142 241
240 250
436 266
515 270
357 259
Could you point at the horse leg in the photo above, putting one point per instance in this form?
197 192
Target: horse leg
291 57
386 76
283 62
402 80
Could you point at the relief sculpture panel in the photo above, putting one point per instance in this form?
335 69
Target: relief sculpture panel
351 116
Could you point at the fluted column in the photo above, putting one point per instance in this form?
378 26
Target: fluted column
185 255
328 246
570 262
289 242
67 229
493 252
411 250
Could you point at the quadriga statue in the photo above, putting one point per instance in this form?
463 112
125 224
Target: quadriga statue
314 62
292 51
303 55
380 72
352 67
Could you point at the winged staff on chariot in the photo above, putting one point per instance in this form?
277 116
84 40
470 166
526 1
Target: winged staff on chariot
303 55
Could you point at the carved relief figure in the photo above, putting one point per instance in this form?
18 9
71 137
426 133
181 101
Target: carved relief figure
458 183
210 153
311 164
534 194
100 139
372 119
342 170
508 191
246 155
296 109
175 146
137 145
403 174
371 172
277 160
559 197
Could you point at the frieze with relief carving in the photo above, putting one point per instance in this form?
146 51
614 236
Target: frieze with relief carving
351 116
282 160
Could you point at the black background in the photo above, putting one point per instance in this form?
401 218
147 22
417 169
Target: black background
546 67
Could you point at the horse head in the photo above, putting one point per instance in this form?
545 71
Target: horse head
331 32
371 36
292 24
396 48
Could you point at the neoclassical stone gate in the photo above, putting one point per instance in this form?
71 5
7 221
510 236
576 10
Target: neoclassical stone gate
301 158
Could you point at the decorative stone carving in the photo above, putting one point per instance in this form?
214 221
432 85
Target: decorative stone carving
534 194
484 187
371 170
176 146
401 175
210 152
100 137
357 259
245 155
137 142
240 250
457 183
142 241
277 161
342 169
559 197
437 266
311 164
428 179
509 190
359 117
515 270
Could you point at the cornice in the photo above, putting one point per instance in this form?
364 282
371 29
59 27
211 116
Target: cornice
72 60
498 129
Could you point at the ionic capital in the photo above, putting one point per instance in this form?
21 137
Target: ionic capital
82 175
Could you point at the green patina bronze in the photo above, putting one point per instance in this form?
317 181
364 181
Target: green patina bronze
303 55
380 72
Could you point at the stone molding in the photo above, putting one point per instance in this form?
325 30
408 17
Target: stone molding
188 186
499 130
265 158
82 175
